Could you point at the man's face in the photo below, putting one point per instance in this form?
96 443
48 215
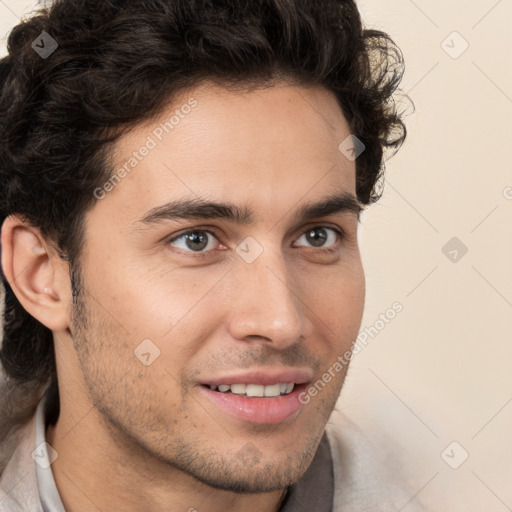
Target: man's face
170 310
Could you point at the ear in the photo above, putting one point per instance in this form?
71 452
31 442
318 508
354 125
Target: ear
36 274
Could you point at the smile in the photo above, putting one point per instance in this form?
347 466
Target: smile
256 390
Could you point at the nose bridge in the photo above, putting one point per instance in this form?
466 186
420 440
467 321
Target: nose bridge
266 303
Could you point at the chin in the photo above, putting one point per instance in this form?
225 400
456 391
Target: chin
248 471
266 479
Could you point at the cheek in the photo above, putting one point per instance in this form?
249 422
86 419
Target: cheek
341 311
337 298
145 300
178 311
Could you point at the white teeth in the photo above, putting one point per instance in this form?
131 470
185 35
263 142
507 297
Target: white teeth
255 390
258 390
274 390
238 389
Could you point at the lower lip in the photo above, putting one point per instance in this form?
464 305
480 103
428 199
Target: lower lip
269 410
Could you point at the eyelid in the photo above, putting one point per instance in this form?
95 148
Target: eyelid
211 230
335 227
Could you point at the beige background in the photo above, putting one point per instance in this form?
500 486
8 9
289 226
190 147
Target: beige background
440 371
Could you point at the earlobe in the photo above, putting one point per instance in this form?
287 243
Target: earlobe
35 273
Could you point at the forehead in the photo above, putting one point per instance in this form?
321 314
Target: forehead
269 147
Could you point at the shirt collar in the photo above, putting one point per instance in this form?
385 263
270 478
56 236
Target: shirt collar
44 454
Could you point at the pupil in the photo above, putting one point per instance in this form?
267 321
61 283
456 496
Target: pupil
317 241
195 238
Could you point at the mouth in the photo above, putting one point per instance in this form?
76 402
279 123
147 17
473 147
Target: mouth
256 390
258 397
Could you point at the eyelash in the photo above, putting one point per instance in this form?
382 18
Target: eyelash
213 232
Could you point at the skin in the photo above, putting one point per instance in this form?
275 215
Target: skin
133 437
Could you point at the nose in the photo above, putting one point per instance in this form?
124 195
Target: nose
267 303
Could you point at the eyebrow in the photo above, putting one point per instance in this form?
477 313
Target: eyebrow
201 208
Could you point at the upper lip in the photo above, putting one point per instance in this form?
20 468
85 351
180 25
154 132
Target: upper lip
262 377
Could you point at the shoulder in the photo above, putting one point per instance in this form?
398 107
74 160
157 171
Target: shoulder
366 476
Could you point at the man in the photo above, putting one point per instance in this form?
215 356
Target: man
181 188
